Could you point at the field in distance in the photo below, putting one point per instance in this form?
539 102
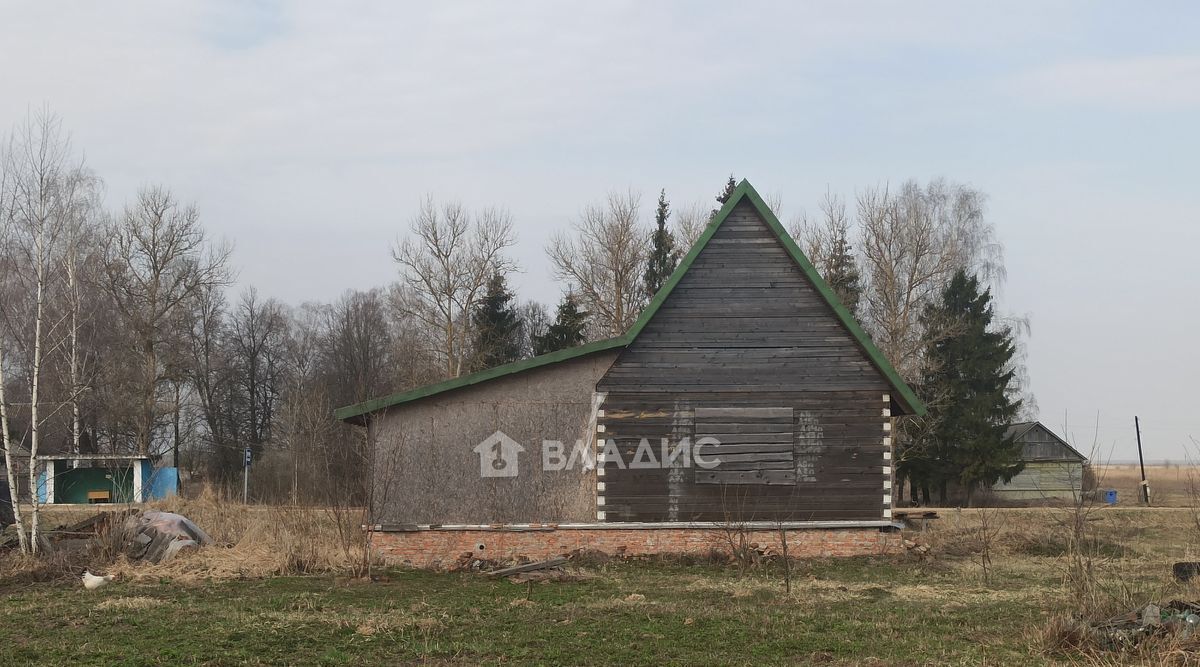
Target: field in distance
1170 484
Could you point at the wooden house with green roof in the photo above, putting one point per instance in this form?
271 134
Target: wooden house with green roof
745 393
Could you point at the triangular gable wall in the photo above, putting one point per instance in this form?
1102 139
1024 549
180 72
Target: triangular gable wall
1039 443
745 304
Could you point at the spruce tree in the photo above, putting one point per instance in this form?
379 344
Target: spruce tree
730 186
497 326
841 271
968 378
568 330
663 254
726 193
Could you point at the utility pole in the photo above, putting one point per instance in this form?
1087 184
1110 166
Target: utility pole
245 478
1145 490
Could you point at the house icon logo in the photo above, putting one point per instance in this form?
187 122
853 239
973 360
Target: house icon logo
498 455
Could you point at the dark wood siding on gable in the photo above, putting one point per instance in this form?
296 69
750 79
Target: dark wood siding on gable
744 318
1039 444
744 328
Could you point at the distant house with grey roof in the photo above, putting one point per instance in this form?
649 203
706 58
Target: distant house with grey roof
1053 468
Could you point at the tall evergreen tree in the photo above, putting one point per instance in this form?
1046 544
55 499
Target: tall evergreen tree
841 271
730 186
968 380
569 328
663 254
726 193
497 326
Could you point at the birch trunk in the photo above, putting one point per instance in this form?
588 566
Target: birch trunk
36 372
73 286
9 461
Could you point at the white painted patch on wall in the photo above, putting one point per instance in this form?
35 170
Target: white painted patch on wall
683 424
809 444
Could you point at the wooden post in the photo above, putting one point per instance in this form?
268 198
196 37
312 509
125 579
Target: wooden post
1145 488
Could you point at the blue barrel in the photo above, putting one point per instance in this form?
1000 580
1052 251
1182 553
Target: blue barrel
1110 496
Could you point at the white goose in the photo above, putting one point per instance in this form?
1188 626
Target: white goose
92 582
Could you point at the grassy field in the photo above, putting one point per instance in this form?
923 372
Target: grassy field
843 612
914 609
1170 485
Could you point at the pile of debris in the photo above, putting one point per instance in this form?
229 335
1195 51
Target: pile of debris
157 537
150 536
916 546
1177 619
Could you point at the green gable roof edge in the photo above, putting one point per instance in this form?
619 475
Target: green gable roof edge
356 412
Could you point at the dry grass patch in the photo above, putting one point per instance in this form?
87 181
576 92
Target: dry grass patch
251 542
131 602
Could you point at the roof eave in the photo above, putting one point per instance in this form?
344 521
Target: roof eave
359 414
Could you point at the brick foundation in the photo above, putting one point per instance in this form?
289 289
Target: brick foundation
441 547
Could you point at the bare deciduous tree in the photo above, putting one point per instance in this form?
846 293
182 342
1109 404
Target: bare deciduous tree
45 195
817 237
156 258
6 440
826 243
446 263
912 243
690 222
603 261
258 334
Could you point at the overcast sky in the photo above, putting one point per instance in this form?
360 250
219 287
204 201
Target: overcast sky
308 132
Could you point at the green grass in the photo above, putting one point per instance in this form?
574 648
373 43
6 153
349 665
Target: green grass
840 612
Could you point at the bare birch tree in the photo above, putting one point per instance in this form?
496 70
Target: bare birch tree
6 440
912 243
156 258
446 262
46 195
603 261
78 264
690 222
